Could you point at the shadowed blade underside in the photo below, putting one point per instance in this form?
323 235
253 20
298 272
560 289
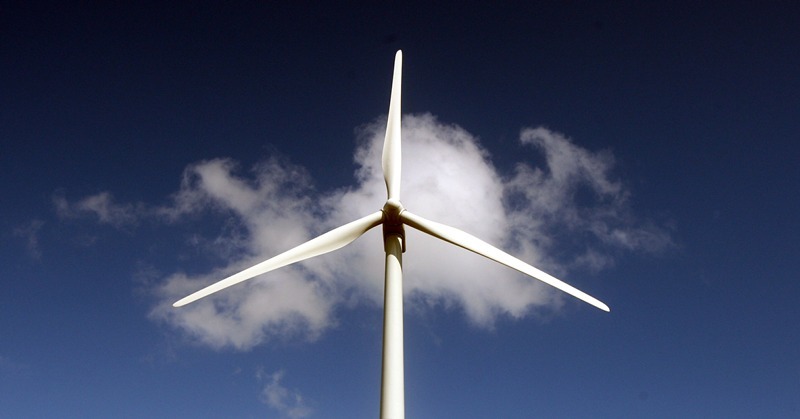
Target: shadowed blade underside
325 243
390 160
474 244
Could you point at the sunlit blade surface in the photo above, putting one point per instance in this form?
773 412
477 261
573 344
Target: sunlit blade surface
391 144
325 243
472 243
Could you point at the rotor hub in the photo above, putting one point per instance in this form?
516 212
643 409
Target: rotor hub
392 223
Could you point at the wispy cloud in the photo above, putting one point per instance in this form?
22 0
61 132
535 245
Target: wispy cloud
103 207
570 213
575 195
30 234
290 403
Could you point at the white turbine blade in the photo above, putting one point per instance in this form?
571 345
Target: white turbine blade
391 143
474 244
325 243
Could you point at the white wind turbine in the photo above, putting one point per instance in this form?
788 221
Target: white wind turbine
393 217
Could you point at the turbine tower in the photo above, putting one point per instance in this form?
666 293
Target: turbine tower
393 217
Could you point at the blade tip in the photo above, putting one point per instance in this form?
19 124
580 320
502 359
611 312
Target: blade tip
180 303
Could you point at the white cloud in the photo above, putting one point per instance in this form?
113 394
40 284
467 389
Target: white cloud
289 403
288 305
569 214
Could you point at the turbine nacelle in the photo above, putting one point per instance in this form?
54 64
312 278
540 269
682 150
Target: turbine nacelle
393 222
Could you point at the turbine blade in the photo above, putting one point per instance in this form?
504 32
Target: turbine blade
391 143
474 244
328 242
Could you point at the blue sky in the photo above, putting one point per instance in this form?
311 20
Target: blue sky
645 154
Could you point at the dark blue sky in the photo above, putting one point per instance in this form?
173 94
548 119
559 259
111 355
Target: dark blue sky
698 104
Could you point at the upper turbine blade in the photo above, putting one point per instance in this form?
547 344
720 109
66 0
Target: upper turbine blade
391 144
472 243
325 243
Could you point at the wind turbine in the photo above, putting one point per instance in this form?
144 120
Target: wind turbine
393 217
